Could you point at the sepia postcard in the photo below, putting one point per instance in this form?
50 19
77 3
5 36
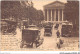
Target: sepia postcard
39 25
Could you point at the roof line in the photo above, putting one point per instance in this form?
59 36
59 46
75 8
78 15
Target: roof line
53 2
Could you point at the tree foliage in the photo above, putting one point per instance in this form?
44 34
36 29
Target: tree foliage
10 8
20 10
72 11
35 16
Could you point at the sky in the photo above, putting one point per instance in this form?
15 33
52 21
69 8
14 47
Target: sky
38 4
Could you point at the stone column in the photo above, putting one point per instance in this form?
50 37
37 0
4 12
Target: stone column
54 14
51 15
44 14
58 15
47 15
62 15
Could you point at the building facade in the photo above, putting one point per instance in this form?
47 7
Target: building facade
54 12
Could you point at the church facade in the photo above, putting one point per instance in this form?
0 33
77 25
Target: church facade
54 12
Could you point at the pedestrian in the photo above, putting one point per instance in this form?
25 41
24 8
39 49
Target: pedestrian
58 39
58 34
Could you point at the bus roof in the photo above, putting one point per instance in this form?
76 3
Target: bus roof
31 29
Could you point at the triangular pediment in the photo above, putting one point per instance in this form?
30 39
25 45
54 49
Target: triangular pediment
55 4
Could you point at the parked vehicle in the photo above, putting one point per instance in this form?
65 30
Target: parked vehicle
48 30
66 30
31 38
8 26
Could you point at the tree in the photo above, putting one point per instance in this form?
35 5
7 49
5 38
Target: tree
10 9
40 15
13 9
35 16
20 10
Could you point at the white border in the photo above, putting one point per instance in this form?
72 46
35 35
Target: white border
43 52
40 52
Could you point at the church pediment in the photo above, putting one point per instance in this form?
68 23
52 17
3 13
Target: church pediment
56 4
